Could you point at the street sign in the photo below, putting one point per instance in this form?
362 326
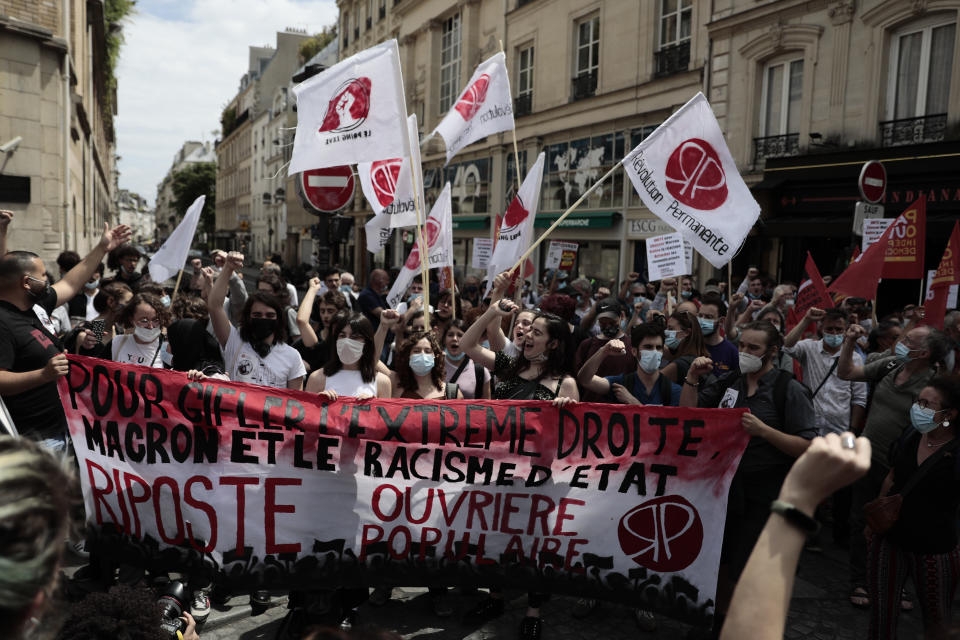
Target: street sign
865 211
327 190
873 181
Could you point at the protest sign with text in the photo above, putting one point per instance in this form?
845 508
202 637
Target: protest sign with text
280 489
482 250
907 246
561 255
666 257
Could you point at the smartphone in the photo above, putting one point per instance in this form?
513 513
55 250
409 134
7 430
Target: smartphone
96 328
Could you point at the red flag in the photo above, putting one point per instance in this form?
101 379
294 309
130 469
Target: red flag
861 278
854 255
904 259
812 293
948 273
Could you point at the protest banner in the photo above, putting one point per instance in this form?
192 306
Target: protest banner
482 250
684 173
873 228
905 251
943 282
280 489
561 255
666 257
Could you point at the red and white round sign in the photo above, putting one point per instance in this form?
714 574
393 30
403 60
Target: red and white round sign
873 181
329 189
695 175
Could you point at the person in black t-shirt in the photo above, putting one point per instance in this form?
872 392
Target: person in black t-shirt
31 359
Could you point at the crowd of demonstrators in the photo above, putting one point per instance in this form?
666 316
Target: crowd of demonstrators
829 372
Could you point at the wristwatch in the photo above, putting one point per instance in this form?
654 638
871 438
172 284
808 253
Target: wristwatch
795 517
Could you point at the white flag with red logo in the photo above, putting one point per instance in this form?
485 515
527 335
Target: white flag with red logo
685 175
484 108
350 112
438 234
517 226
388 196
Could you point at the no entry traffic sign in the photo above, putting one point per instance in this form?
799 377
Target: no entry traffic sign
873 181
329 189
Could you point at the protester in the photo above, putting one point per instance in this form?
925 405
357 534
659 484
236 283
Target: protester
275 285
315 344
190 347
372 300
110 302
922 542
273 267
36 496
615 361
352 369
759 606
31 358
124 612
145 319
333 280
471 377
896 380
81 306
683 343
780 425
123 261
256 352
723 353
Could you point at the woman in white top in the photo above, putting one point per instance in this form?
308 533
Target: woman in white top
459 368
145 319
352 371
256 353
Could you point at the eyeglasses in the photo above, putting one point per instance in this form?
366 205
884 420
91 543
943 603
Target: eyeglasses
147 322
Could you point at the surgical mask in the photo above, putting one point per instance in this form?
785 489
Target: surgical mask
350 350
833 340
485 344
639 299
610 330
686 294
750 363
92 286
147 335
791 302
454 358
922 418
670 339
650 360
421 363
414 296
707 326
166 357
262 328
346 288
165 301
902 352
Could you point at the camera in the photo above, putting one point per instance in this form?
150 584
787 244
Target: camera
172 602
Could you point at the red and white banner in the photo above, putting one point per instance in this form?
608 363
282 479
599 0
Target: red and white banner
685 175
946 276
905 251
352 112
387 187
277 489
438 234
410 180
484 108
513 237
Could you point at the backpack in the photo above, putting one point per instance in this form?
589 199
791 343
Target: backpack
779 388
666 387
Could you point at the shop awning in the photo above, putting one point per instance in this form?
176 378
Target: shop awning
585 220
470 222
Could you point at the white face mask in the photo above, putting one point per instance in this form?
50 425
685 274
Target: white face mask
166 357
750 363
147 335
349 350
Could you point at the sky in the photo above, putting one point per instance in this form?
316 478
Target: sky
181 63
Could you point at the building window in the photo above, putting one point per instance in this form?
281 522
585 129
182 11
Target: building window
588 58
524 102
573 167
673 54
918 89
469 185
382 10
449 61
781 98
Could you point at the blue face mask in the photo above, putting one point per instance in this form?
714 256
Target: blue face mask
165 301
833 340
902 352
454 358
346 288
670 339
421 363
414 296
707 326
686 294
639 300
922 418
650 360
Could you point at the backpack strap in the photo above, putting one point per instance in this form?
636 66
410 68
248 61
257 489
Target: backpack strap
456 374
780 387
826 377
451 389
666 390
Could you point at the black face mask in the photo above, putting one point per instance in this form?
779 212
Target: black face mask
262 328
610 330
39 293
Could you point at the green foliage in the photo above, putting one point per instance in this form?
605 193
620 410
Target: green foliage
113 12
199 179
228 122
312 46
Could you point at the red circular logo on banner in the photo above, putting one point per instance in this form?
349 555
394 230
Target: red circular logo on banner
433 234
664 534
383 177
349 106
695 175
516 213
473 97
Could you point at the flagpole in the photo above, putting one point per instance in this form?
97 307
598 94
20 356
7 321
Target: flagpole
453 295
563 216
176 287
424 269
513 130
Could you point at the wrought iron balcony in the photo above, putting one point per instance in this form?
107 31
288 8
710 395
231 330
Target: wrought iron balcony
523 105
776 146
894 133
585 85
671 60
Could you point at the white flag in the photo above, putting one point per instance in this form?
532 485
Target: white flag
352 112
406 214
172 255
686 176
438 235
378 231
484 108
517 226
